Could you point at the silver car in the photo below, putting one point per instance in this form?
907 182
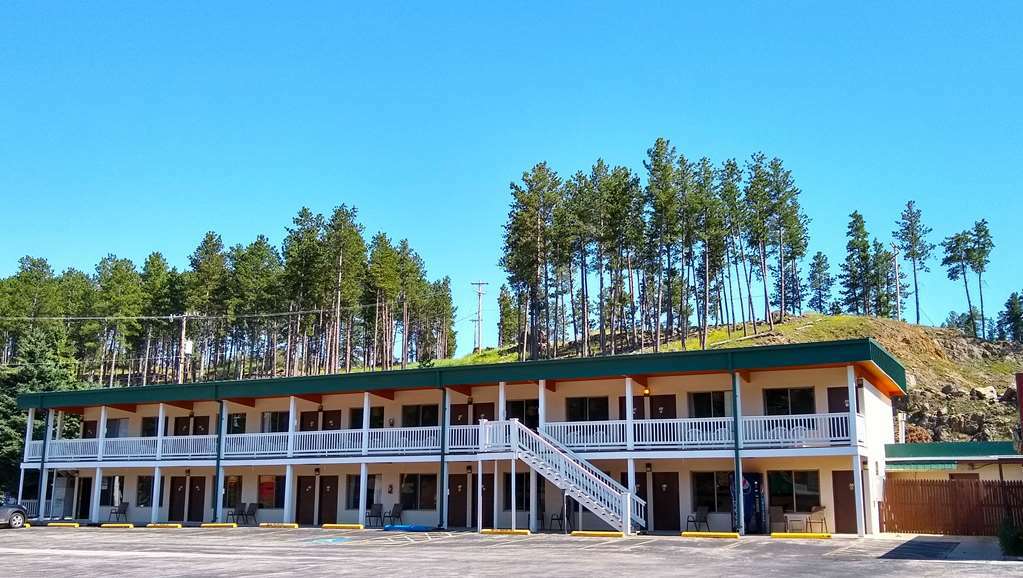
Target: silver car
11 512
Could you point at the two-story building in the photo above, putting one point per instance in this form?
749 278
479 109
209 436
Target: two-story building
651 441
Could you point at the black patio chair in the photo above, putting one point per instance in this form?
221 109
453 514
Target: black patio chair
375 511
700 517
238 513
250 513
394 515
120 512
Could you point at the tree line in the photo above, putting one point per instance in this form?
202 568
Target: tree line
604 261
327 300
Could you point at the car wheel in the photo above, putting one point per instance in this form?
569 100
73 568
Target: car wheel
17 520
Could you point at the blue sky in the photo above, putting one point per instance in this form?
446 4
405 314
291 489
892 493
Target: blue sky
133 127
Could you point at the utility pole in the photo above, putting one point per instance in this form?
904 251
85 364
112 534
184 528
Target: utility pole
898 286
181 350
478 344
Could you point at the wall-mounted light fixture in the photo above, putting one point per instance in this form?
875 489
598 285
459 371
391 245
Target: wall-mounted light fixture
646 391
649 467
390 422
188 472
470 400
390 488
317 471
468 469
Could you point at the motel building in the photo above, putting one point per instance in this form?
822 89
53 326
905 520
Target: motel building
649 442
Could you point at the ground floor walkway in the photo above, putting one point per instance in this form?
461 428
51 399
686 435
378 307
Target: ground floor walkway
314 552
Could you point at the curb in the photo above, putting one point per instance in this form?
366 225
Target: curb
727 535
504 532
62 525
290 526
596 534
343 527
163 526
117 525
218 525
801 535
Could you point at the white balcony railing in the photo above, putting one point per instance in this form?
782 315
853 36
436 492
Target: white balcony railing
759 432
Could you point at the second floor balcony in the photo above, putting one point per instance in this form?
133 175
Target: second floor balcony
757 432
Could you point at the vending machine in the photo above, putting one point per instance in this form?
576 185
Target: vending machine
752 503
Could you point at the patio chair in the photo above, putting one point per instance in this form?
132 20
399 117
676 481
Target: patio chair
778 434
249 515
777 516
375 511
120 512
394 515
818 516
700 517
799 435
558 519
238 513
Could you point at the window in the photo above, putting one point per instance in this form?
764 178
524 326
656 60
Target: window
111 491
236 423
117 427
274 421
419 491
352 492
271 491
789 401
964 477
419 415
586 409
376 417
707 404
144 492
521 491
232 491
794 491
712 490
149 427
526 411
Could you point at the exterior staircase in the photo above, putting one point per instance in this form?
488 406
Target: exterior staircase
584 482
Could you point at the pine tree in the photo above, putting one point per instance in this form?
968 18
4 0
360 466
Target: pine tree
820 282
761 211
1010 321
856 267
978 252
662 206
956 262
911 235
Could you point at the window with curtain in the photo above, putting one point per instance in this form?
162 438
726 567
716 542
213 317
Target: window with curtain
420 415
236 423
111 491
794 491
271 492
419 491
789 401
232 491
712 490
587 409
352 491
521 491
274 422
144 491
707 404
526 411
376 417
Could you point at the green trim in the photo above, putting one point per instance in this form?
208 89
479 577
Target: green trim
950 450
714 361
919 466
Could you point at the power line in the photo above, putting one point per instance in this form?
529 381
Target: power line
176 316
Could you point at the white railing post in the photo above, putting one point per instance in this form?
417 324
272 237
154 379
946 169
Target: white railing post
484 432
365 422
101 432
291 425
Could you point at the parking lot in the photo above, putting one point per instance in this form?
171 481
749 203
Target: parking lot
313 552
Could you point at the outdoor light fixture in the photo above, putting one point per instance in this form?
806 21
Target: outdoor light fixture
317 471
188 472
649 467
470 400
468 469
390 488
646 391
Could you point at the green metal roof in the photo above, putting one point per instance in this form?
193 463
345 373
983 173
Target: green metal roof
865 352
947 450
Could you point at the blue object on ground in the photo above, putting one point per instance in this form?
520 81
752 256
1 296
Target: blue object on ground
408 528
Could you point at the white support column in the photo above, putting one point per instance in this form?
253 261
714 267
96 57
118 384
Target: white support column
59 431
479 496
363 482
29 425
218 495
101 432
154 510
541 402
21 484
97 482
74 499
630 475
365 424
514 513
44 482
857 466
316 496
627 513
533 493
292 416
500 402
289 493
161 417
442 469
630 432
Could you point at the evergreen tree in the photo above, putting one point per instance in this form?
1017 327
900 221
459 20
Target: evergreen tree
956 262
978 251
911 234
820 282
508 319
1010 320
856 267
663 208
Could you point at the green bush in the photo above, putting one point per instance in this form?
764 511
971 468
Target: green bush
1011 539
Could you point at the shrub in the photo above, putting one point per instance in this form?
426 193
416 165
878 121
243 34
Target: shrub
1011 539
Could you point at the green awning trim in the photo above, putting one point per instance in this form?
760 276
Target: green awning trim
919 466
948 450
827 353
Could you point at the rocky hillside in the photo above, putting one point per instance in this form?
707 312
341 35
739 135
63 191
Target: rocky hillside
959 388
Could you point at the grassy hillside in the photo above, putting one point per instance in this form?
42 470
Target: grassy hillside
960 388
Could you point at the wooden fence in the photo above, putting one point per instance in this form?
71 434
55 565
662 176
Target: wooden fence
956 507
